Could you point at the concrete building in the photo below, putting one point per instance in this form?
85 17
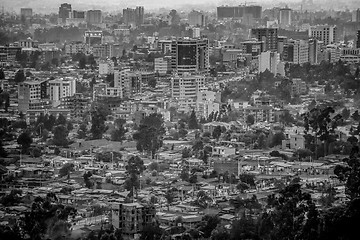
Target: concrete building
60 88
64 12
315 49
298 87
270 61
74 48
196 18
93 37
162 65
285 17
269 37
26 12
77 104
131 218
106 67
237 12
297 51
187 86
8 54
94 16
252 47
30 92
128 82
190 55
133 17
325 33
196 32
358 39
356 15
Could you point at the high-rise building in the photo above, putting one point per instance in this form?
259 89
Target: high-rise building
298 53
252 47
190 55
269 36
358 39
64 12
187 86
162 65
196 18
78 14
285 17
94 16
315 50
26 12
60 88
325 33
356 15
128 82
239 11
30 92
133 16
269 61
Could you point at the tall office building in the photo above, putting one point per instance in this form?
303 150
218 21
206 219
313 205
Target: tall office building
133 16
94 16
190 55
64 12
196 18
285 17
127 82
30 92
26 12
301 51
358 39
356 15
315 51
269 61
269 36
93 37
187 86
325 33
239 11
78 14
60 88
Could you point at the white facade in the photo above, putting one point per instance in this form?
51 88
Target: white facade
301 51
106 68
206 95
269 60
186 86
285 17
128 82
74 48
196 32
324 33
60 88
162 65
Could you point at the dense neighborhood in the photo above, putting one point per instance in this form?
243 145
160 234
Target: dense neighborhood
231 122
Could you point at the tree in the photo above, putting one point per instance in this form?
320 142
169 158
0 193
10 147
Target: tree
217 132
134 168
151 232
248 179
118 134
61 120
286 118
82 130
169 196
25 140
152 82
88 183
320 122
98 118
345 113
150 133
356 116
250 120
12 199
277 139
66 169
211 222
192 123
19 76
60 136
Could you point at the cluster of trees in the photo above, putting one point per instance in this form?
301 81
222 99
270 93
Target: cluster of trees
149 136
98 118
118 134
84 60
46 219
58 34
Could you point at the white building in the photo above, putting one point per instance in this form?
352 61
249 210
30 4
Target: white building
162 65
196 32
60 88
325 33
106 67
301 51
196 18
269 60
187 86
128 82
285 17
74 48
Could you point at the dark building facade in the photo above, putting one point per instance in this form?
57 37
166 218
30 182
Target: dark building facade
238 11
268 35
